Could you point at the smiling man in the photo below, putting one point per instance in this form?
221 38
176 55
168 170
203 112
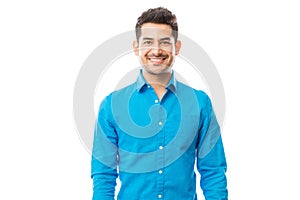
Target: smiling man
156 48
150 133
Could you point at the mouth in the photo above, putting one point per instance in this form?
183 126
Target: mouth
157 60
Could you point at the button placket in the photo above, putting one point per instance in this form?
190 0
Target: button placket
161 142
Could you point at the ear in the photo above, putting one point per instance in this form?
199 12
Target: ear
136 47
177 47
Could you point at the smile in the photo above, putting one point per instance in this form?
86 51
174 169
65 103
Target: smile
157 60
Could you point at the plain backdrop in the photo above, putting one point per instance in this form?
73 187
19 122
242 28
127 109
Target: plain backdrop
255 46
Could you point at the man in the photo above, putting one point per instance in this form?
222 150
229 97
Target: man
150 132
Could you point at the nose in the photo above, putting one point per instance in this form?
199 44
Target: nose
156 49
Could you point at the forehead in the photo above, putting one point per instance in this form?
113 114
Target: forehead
152 30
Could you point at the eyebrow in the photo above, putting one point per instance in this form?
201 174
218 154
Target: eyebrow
166 38
148 38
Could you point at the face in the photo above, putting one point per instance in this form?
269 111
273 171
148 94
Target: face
156 48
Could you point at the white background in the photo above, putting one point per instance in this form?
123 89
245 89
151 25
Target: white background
254 44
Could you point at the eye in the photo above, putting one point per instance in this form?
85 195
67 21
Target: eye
147 42
165 43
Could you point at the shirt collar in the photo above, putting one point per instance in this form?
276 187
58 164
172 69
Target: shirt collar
142 83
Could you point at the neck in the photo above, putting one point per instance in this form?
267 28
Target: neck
157 80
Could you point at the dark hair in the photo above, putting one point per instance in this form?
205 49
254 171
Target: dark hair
158 15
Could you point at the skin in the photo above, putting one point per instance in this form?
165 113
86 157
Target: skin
156 51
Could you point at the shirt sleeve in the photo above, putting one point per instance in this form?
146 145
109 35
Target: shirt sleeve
104 155
211 161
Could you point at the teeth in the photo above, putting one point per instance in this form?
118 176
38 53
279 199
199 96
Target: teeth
156 59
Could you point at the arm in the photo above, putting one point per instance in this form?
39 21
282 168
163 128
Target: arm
211 161
104 156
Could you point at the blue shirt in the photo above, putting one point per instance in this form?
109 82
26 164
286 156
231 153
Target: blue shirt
152 145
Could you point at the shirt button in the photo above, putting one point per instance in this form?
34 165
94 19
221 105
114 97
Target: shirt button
161 147
159 196
160 123
148 86
156 101
160 171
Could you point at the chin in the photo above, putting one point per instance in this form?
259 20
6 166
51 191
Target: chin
159 71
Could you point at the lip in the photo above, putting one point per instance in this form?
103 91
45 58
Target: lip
156 60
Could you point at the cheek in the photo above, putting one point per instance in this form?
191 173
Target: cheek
143 52
171 56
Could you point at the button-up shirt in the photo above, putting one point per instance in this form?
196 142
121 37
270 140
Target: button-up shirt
152 145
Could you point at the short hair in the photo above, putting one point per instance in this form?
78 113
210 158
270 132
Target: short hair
157 15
